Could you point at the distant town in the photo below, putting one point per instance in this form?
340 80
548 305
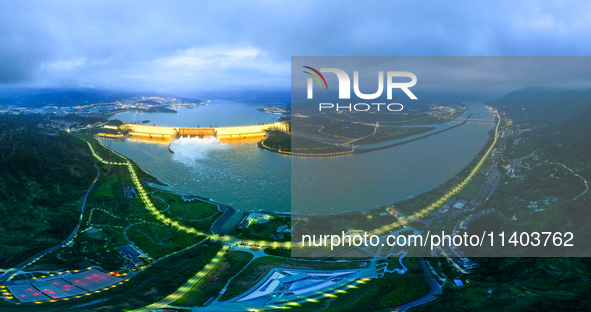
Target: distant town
134 103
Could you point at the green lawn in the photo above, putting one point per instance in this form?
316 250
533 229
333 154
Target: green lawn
229 266
196 213
159 241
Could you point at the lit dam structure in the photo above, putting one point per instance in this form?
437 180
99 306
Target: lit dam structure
241 132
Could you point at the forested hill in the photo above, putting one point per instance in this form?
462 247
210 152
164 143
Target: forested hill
30 97
560 121
550 105
569 140
44 174
40 97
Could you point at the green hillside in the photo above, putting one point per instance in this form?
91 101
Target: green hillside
43 178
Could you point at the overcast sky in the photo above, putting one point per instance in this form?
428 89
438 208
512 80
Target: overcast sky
475 75
193 46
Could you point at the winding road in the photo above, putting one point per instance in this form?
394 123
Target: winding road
432 295
8 274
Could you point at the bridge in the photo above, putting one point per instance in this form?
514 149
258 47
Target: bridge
154 132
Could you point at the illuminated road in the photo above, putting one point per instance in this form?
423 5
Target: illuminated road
380 231
156 213
187 286
435 287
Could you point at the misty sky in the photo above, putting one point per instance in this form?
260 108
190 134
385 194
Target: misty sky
481 75
192 46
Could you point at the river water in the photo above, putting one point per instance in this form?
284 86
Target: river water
239 174
368 180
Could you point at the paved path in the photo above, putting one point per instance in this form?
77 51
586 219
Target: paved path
397 270
576 175
228 212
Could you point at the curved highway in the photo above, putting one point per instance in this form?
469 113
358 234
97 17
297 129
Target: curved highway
432 295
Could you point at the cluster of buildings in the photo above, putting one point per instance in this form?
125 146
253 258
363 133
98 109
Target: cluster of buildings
455 203
456 258
134 255
65 125
137 102
463 264
514 167
130 192
443 214
444 111
273 110
93 109
146 102
536 204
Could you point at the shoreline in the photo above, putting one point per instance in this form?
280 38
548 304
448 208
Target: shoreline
459 173
412 140
229 211
398 137
169 149
363 150
261 146
218 224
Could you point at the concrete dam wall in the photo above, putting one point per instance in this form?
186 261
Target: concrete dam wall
240 132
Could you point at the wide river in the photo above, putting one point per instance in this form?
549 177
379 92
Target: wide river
239 174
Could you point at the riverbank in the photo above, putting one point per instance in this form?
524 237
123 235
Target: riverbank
412 140
229 211
374 220
261 145
238 189
286 143
369 140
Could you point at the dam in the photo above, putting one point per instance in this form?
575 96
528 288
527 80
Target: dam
239 174
240 132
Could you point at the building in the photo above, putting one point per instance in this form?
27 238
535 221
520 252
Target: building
281 286
129 253
283 229
460 204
